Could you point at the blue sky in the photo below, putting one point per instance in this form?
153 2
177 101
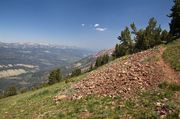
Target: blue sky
91 24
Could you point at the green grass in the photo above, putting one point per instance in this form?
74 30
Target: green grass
39 103
172 54
150 59
34 103
169 86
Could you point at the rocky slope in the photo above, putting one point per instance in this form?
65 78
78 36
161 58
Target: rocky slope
127 76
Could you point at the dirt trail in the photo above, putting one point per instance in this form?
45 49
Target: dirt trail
127 75
169 74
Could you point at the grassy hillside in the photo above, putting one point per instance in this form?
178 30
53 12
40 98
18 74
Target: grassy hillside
160 101
39 104
172 54
34 103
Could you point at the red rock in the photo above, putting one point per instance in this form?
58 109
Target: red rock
123 77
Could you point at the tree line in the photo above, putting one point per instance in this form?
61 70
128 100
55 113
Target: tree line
101 60
55 75
133 40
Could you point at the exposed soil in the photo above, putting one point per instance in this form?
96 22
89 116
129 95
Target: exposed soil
127 76
169 74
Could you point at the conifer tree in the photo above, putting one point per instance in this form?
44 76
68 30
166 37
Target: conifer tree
175 19
76 72
10 91
55 76
101 60
165 36
126 41
91 67
148 37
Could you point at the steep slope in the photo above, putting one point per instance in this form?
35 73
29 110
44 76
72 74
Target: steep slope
128 75
127 88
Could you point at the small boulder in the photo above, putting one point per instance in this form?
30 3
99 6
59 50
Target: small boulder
59 98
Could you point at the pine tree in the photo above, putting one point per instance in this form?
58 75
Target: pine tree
76 72
105 59
91 67
126 41
119 51
151 34
165 36
10 91
55 76
175 21
101 60
98 62
148 37
116 52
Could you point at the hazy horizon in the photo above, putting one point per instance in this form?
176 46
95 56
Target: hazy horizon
92 24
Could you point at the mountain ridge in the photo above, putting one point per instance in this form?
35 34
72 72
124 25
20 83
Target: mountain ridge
36 45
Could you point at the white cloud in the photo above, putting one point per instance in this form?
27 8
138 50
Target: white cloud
96 25
101 29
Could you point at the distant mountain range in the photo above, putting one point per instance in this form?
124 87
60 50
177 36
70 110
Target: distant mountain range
35 45
27 64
